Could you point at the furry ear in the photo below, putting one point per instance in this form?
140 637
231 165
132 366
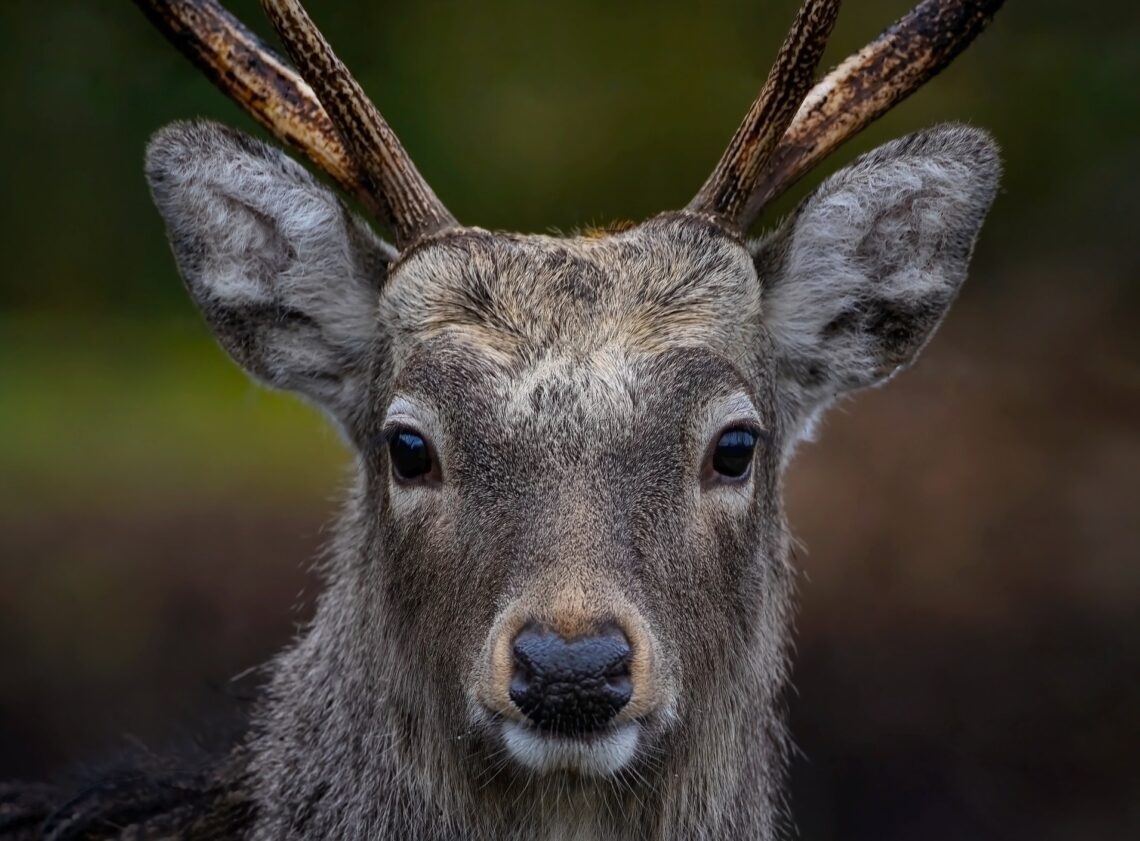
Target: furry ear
855 282
285 276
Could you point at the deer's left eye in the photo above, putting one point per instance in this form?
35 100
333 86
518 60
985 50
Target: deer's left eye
731 456
411 456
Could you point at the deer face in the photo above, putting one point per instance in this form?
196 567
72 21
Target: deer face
578 447
568 543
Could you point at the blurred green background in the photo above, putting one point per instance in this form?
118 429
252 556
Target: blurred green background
969 641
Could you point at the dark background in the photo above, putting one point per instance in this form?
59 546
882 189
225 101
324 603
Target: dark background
968 657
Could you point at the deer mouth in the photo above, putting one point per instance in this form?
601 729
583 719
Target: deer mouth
597 752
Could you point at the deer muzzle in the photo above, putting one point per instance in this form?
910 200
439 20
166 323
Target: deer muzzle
570 686
571 682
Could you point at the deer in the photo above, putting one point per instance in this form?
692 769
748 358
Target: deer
558 601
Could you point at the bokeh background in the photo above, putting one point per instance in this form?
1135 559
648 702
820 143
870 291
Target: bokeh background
969 641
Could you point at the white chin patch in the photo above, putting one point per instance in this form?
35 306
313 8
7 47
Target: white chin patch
600 754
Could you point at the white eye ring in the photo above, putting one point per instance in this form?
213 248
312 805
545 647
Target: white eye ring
407 438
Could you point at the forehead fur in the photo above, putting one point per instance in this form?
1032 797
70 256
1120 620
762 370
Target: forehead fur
675 281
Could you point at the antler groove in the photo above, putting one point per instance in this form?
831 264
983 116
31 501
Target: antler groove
789 128
322 111
258 80
729 189
871 82
412 209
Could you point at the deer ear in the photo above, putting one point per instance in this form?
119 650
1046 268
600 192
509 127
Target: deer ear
856 281
285 276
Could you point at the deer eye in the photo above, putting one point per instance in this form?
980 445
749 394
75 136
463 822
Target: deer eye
731 458
411 456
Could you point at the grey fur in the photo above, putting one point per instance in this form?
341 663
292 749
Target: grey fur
859 278
287 277
571 388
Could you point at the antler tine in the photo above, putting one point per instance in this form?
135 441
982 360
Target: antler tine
728 192
870 83
251 74
410 207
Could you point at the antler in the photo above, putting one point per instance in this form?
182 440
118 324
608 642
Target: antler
852 96
872 82
328 117
413 208
728 191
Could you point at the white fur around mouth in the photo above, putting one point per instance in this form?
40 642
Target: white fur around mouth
600 754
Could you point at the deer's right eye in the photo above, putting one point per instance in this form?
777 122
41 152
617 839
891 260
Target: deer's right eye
732 455
411 456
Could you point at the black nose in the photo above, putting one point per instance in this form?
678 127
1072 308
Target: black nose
570 686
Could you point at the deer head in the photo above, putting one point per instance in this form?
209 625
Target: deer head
565 564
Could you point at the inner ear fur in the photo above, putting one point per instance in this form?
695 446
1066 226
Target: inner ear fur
287 278
858 278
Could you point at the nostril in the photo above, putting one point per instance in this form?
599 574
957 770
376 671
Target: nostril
571 686
521 677
617 674
618 679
